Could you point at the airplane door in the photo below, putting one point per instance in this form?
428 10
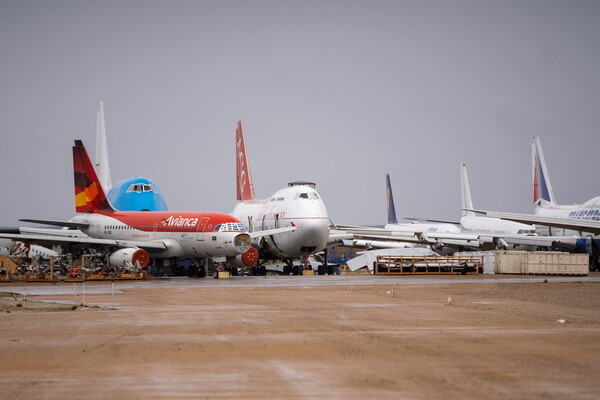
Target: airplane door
201 225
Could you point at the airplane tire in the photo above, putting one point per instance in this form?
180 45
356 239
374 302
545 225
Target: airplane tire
216 274
321 270
295 270
287 270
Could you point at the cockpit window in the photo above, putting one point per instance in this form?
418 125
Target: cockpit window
312 196
140 188
230 227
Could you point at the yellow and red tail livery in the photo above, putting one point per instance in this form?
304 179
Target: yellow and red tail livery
89 195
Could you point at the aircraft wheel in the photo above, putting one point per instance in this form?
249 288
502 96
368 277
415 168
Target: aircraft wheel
321 270
262 270
216 274
287 270
295 270
233 271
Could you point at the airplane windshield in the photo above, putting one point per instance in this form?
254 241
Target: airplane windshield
230 227
140 188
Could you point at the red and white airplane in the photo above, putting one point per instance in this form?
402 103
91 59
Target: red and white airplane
299 205
136 236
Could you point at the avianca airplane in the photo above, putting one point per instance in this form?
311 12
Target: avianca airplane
133 194
135 236
298 205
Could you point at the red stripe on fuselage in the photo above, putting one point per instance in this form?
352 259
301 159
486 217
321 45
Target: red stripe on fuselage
171 222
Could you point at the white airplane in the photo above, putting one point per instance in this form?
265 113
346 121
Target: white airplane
136 236
475 232
578 217
298 205
582 218
470 222
132 194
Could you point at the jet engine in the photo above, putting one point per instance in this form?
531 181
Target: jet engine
129 256
245 260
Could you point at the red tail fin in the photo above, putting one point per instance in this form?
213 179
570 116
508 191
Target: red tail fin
89 195
245 188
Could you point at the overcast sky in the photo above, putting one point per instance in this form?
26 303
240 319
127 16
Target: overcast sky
335 92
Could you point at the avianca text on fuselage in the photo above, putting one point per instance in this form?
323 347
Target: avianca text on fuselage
180 222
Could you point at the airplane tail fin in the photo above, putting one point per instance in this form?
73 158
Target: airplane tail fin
543 195
89 195
102 151
244 185
467 201
390 202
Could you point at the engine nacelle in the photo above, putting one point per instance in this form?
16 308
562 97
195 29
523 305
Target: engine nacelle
245 260
129 256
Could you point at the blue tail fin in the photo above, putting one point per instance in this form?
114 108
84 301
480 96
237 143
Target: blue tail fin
390 202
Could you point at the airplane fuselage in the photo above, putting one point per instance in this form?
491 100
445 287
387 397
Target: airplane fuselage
187 234
494 226
588 211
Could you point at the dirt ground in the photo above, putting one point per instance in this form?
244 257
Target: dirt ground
461 341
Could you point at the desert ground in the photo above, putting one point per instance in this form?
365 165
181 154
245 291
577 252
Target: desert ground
493 340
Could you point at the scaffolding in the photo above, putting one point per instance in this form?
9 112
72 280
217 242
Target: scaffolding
422 265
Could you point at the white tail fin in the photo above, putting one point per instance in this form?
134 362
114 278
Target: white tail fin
467 201
101 163
543 194
245 188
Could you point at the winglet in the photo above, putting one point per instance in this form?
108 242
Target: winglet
89 195
543 194
467 201
390 201
245 188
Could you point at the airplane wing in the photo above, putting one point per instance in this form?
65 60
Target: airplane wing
50 240
576 225
441 221
269 232
66 224
381 237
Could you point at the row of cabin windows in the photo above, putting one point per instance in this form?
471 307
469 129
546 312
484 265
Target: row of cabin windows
230 226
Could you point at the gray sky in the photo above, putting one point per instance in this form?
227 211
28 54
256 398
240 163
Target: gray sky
336 92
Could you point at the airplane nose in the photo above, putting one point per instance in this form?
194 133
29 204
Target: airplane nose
314 232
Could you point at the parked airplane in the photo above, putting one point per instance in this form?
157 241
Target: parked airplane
475 232
298 205
583 218
578 217
135 236
133 194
